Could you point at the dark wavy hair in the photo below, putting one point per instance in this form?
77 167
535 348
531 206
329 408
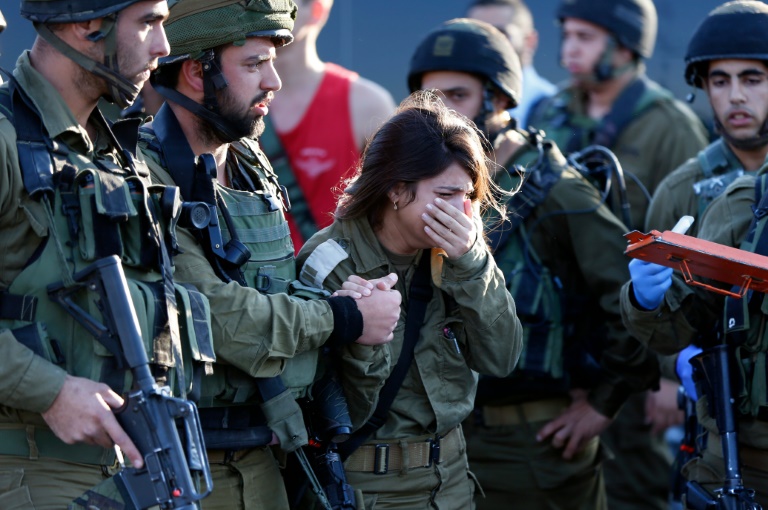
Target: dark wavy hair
421 140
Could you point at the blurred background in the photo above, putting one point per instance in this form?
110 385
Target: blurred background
376 39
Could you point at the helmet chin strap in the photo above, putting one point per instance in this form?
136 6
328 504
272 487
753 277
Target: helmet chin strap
483 118
121 91
748 144
213 81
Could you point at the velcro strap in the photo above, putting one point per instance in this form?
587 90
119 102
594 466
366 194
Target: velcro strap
18 307
381 458
321 262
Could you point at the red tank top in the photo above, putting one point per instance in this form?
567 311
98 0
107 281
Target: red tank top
321 148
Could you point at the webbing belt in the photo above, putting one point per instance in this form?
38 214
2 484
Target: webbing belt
35 443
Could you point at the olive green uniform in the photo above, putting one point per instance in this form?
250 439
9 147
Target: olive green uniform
37 470
688 190
438 391
661 135
687 310
579 241
256 334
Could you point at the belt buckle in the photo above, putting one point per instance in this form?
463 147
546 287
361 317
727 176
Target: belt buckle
434 450
381 459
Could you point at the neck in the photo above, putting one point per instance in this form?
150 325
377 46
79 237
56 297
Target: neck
751 159
601 96
189 125
390 236
63 74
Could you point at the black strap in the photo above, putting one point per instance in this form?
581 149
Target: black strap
17 307
419 296
195 183
281 164
537 183
33 145
610 127
621 114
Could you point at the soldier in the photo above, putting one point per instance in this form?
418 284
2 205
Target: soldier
734 76
611 102
413 207
561 253
65 184
218 82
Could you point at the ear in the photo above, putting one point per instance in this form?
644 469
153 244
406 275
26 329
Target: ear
78 33
500 101
623 56
192 74
396 192
531 42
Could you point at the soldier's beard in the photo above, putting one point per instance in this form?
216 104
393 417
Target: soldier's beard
239 118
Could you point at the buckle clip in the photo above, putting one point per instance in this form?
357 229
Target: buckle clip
434 451
381 459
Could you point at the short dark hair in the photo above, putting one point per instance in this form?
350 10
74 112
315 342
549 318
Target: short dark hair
421 140
521 14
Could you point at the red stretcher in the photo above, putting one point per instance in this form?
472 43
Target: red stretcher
705 259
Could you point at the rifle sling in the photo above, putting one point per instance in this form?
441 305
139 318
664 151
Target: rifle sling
419 296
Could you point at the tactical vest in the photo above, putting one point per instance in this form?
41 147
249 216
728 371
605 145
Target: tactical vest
720 169
573 132
257 219
87 210
536 291
745 323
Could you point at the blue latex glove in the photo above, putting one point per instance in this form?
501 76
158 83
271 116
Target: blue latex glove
685 370
649 282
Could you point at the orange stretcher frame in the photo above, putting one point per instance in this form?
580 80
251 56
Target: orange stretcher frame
692 256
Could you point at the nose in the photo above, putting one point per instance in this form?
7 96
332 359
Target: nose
737 93
270 79
161 47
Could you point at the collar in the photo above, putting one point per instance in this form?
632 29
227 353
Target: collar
370 255
58 120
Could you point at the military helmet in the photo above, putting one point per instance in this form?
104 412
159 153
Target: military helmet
632 22
195 26
70 11
469 46
734 30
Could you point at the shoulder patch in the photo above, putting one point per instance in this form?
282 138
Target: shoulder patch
321 262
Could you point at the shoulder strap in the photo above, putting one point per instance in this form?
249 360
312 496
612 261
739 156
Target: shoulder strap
713 159
537 183
756 241
275 152
194 177
419 295
624 110
32 143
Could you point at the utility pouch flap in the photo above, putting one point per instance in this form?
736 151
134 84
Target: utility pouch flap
284 418
194 314
35 337
299 290
299 372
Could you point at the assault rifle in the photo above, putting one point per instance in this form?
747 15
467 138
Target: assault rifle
327 419
151 417
713 366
